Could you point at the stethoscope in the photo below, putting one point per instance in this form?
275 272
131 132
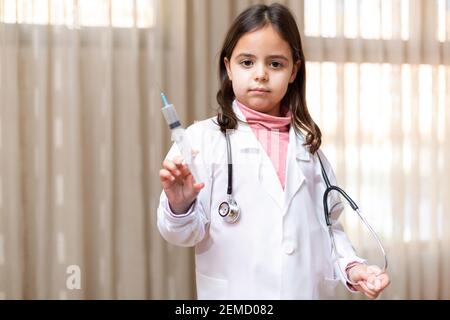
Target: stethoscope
354 206
230 212
229 209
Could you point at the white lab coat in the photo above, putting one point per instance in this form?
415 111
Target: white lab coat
280 248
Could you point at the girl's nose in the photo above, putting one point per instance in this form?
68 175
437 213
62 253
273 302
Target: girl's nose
261 74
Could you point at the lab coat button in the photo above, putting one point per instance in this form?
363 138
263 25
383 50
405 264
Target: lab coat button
289 248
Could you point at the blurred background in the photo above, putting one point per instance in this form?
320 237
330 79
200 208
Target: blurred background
82 137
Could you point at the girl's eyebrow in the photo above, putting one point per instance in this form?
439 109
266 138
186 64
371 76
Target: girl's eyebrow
245 55
249 55
278 56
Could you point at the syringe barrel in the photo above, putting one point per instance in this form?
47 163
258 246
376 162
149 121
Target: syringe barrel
182 140
170 114
179 135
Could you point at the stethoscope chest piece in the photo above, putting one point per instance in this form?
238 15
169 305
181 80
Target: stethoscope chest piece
229 210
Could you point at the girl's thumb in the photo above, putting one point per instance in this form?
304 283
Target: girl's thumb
198 186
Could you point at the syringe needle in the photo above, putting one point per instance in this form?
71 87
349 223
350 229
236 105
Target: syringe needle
164 99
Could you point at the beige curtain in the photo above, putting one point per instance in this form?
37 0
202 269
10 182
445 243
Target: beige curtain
82 138
81 146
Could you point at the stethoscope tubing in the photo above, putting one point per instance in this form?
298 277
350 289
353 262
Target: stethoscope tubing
354 206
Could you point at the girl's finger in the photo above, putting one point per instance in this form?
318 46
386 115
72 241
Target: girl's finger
371 282
377 284
198 186
375 287
169 165
367 291
374 269
166 178
166 175
173 168
178 160
384 281
184 170
371 296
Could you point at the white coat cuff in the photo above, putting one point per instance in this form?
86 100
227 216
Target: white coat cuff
343 263
178 218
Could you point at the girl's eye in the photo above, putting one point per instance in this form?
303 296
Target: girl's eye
247 63
276 64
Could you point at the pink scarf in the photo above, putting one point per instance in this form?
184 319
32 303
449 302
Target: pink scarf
273 134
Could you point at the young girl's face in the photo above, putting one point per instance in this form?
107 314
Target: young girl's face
260 68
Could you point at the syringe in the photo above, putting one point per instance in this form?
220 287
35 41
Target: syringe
179 135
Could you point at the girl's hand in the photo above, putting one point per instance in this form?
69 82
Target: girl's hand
371 281
179 185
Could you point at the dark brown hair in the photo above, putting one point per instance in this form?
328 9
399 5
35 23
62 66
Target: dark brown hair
252 19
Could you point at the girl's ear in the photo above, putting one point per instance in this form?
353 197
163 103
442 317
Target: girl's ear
295 70
227 65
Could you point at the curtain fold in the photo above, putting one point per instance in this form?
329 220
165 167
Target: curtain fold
79 163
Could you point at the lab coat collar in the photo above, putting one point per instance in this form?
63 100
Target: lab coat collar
238 112
302 152
294 174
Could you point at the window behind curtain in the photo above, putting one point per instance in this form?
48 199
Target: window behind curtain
117 13
363 72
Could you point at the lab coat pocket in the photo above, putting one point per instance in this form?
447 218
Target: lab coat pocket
209 288
327 288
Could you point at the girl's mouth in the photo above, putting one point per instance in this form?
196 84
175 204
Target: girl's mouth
259 90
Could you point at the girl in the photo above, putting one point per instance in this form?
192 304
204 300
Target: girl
257 224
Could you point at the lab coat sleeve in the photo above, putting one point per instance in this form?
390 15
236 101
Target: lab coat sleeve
345 248
343 243
188 229
182 230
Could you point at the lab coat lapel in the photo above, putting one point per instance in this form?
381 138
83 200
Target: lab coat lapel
266 172
269 179
294 174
